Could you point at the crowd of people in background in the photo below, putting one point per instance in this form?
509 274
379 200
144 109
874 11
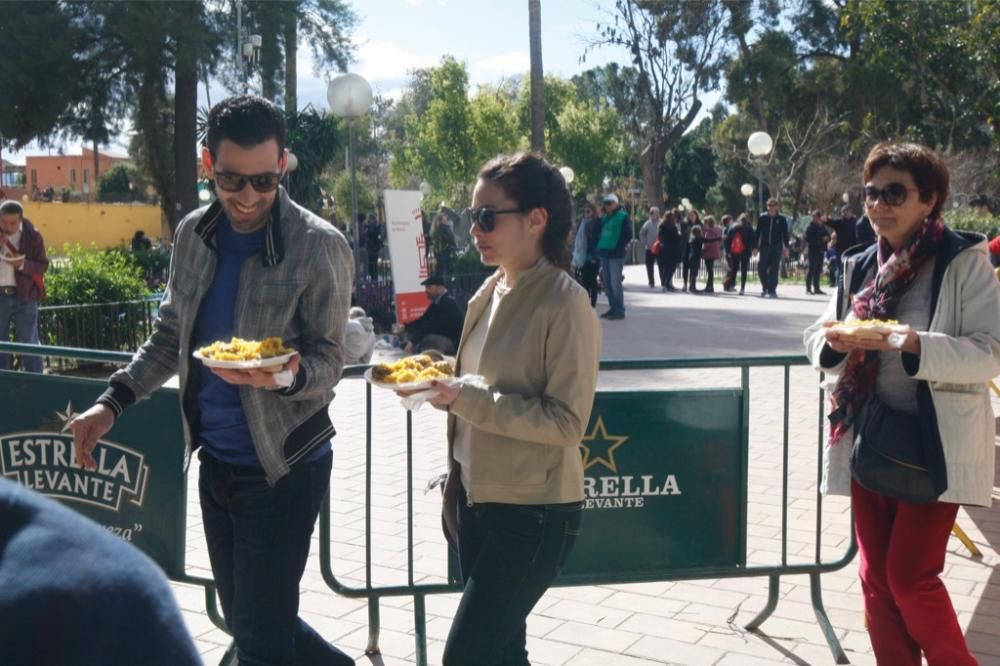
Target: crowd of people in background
677 240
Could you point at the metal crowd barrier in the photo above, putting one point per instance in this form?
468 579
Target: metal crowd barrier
583 568
139 492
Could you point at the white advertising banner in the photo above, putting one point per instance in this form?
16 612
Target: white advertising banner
407 254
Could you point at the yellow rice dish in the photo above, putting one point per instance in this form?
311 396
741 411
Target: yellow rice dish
417 368
238 349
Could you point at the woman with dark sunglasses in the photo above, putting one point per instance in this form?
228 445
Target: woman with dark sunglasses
919 398
514 493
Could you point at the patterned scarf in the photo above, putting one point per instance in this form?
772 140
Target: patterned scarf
878 299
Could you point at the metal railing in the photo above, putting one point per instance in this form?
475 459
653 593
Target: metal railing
119 326
814 568
373 594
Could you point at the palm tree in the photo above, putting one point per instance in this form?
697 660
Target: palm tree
537 81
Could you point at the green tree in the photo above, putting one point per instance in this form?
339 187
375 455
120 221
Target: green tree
115 183
676 49
437 146
324 24
316 140
342 198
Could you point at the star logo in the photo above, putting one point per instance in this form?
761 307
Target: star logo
66 416
599 448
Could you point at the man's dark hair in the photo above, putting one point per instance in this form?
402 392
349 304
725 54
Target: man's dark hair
247 121
11 208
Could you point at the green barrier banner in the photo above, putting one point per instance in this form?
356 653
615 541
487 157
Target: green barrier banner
137 492
665 476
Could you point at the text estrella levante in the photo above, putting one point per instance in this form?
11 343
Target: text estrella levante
599 447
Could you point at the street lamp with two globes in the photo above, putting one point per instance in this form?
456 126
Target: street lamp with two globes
760 144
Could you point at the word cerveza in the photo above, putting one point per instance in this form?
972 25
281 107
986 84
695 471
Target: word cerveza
628 492
46 462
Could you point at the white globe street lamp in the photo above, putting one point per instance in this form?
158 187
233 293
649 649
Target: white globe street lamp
292 164
349 96
567 175
746 189
760 144
425 189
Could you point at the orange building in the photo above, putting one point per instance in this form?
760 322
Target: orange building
73 172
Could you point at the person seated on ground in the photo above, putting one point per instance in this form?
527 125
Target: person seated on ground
359 341
440 326
73 594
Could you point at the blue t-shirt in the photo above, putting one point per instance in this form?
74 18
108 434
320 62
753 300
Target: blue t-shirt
224 432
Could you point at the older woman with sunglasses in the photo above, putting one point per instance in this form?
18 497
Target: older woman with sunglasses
515 485
912 431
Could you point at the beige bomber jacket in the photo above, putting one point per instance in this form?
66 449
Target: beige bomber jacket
539 362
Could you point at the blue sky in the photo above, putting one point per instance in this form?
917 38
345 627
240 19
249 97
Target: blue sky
490 36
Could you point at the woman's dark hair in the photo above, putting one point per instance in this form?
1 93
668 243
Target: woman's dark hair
247 121
532 182
927 168
669 217
727 218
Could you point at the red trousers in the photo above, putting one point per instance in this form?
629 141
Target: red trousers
902 548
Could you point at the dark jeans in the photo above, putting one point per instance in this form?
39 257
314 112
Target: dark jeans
258 540
691 271
588 277
25 319
667 267
710 267
650 262
741 264
510 554
835 267
768 263
815 269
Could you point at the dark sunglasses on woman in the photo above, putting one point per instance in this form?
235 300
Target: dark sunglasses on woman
893 194
235 182
486 218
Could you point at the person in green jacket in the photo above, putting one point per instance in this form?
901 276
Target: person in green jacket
616 232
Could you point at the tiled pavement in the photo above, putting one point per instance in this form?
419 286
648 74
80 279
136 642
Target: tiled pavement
693 622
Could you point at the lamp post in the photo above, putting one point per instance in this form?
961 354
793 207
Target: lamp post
350 96
247 47
760 144
746 189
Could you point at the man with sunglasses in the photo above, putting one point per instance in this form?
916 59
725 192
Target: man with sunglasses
254 265
772 243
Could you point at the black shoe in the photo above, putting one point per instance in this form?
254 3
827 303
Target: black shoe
819 292
808 290
605 315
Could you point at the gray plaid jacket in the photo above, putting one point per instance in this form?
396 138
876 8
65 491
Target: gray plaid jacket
298 288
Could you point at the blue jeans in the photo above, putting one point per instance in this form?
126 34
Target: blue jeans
25 318
510 554
611 274
258 540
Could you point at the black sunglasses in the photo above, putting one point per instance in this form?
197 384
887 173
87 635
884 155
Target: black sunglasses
486 218
235 182
893 194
